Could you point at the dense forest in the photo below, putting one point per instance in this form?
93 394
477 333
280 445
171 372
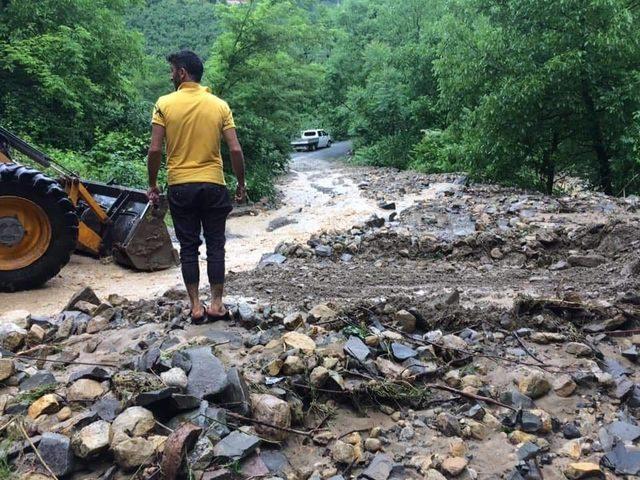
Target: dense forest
522 92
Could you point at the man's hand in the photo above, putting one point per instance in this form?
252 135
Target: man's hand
241 194
153 194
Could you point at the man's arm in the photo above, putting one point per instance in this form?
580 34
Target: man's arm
237 162
154 160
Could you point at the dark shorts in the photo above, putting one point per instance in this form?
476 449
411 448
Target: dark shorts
200 208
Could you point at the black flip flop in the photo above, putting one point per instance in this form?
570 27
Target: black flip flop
202 319
214 318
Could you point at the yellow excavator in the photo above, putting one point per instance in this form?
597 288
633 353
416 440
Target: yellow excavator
43 220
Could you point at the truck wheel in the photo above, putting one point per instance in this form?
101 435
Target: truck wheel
38 228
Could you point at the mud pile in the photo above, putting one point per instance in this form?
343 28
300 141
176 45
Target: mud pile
480 333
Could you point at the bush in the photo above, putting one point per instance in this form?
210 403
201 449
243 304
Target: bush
435 153
390 151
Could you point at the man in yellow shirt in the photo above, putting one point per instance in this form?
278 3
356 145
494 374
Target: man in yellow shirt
192 122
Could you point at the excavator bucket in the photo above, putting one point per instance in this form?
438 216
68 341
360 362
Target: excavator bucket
136 235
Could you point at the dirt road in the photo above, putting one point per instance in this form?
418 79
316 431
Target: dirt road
318 194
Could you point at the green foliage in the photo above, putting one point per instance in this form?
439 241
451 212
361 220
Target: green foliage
261 66
64 68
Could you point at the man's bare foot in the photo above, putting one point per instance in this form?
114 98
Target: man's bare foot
198 313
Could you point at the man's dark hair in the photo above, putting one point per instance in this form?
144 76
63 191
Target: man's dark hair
189 61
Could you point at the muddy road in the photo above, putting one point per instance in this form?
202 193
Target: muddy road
318 193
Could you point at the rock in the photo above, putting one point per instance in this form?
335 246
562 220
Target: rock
293 365
47 404
623 459
12 336
134 421
36 335
432 474
448 424
39 379
236 446
130 453
271 410
587 261
380 467
318 376
571 449
85 294
631 353
576 471
107 408
406 320
247 316
547 337
516 399
528 451
210 418
342 452
372 445
100 322
202 454
93 373
476 429
175 377
454 466
406 434
21 318
207 377
578 349
92 440
402 352
564 386
55 450
357 349
496 254
300 341
236 396
534 385
323 251
6 368
294 320
84 390
570 431
322 313
453 342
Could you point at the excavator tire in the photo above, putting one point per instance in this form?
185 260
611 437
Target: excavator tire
38 228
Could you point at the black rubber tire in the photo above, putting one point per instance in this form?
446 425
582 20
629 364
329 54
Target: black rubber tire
20 181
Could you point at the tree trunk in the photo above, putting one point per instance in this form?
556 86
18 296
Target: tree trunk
548 170
597 141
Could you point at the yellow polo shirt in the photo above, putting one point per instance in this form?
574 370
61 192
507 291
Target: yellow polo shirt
194 120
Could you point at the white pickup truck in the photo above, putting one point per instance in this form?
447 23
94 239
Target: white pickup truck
312 140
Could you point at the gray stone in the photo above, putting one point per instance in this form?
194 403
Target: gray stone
236 446
55 450
517 399
12 336
406 434
531 423
587 261
85 294
402 352
323 251
93 373
246 314
528 451
107 408
207 378
202 454
357 349
210 418
236 395
38 379
182 402
272 259
449 424
380 467
623 459
181 360
92 439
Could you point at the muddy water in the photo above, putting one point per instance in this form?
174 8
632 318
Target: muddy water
318 194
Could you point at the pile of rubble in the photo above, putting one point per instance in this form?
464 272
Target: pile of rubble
216 401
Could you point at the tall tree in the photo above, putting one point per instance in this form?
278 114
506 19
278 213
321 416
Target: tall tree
533 86
65 68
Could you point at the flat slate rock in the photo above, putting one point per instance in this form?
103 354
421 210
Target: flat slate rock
623 459
38 379
236 396
98 374
236 446
357 348
618 430
517 399
107 408
402 352
207 378
380 467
